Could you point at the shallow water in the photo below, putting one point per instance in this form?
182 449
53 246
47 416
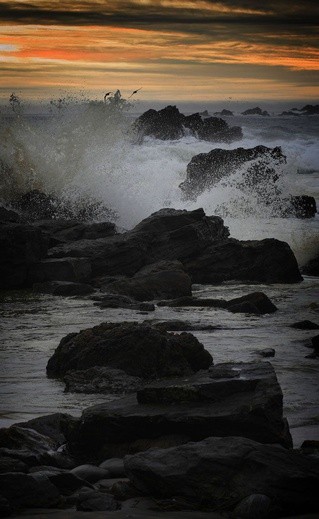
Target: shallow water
32 327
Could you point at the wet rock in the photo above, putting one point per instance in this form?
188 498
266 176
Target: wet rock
256 111
165 283
60 269
63 288
101 380
66 482
312 267
29 490
53 426
90 473
305 325
315 343
170 124
256 303
178 325
207 169
303 206
137 349
146 307
94 501
6 509
22 246
264 261
123 490
246 403
219 472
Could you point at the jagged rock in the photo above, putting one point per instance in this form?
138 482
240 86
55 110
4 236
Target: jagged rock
206 169
101 380
139 350
169 123
22 246
243 399
219 472
63 231
256 111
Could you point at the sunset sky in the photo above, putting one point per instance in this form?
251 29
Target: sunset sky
174 50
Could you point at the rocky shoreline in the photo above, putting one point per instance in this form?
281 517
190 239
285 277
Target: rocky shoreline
188 436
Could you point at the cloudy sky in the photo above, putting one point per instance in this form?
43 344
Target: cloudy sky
174 50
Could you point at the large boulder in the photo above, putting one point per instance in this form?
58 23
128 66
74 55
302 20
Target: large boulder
244 399
312 267
62 231
60 269
205 170
220 472
264 261
168 234
169 123
137 349
22 246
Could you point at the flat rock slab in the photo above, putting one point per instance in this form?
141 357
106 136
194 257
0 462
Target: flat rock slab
241 399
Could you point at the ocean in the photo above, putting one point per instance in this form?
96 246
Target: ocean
86 152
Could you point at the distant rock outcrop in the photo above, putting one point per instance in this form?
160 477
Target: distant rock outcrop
224 113
256 111
170 124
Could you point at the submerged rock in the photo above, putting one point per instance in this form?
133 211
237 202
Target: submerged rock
220 472
101 380
137 349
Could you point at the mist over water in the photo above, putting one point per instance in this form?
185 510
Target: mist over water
87 152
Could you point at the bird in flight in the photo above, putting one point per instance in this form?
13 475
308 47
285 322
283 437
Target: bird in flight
135 92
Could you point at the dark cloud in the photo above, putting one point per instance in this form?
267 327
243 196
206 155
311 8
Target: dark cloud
135 14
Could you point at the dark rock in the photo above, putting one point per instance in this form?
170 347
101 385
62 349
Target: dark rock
169 123
115 467
224 113
90 473
94 501
310 445
255 505
264 261
139 350
123 490
165 283
267 352
60 269
209 403
302 206
219 472
256 303
146 307
8 464
315 343
289 112
207 169
63 231
101 380
28 490
115 301
53 426
22 246
63 288
37 205
305 325
256 111
66 482
177 325
310 109
312 267
9 216
5 508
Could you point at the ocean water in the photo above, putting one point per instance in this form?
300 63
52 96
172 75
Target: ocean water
88 152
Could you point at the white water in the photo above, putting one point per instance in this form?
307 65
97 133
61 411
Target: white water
90 154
